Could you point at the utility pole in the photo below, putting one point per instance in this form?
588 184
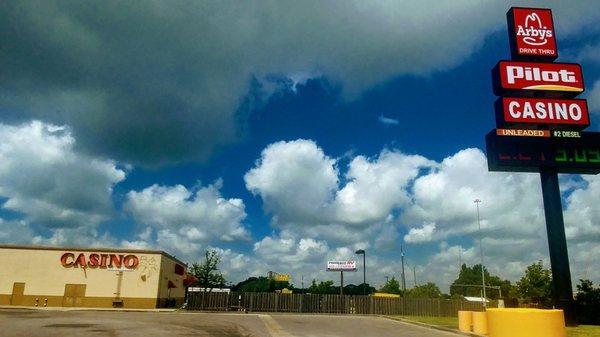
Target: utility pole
415 274
477 201
402 259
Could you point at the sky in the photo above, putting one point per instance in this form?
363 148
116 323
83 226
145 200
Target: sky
281 133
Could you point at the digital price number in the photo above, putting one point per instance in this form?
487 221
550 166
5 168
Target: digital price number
578 154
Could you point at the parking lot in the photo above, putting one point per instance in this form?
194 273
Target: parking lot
24 322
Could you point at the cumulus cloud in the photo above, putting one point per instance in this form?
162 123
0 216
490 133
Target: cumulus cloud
367 202
593 98
296 181
422 234
300 186
43 178
186 220
157 82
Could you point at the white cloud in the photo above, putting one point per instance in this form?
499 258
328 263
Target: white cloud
296 181
388 121
435 201
52 185
582 214
299 185
418 235
511 202
186 221
593 97
376 186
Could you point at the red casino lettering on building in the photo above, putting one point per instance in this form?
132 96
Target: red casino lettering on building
95 260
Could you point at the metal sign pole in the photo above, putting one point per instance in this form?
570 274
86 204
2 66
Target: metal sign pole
557 244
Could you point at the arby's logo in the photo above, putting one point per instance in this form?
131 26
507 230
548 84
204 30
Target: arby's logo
534 32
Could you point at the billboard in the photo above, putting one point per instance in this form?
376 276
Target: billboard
341 265
562 112
531 33
526 78
530 154
282 277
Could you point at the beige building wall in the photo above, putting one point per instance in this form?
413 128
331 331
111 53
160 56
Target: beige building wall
168 273
48 283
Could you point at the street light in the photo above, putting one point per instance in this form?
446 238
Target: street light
362 252
477 201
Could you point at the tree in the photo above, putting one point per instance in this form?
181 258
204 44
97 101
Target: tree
427 290
260 285
536 285
353 289
588 303
391 287
207 272
472 276
324 287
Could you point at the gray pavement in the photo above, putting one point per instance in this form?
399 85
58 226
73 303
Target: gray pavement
23 322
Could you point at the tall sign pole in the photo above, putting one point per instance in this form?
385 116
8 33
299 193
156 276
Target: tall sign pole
483 297
557 244
539 128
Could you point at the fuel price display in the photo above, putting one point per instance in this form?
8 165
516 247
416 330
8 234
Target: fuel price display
529 154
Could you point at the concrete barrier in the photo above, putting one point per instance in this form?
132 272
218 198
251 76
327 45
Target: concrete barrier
465 321
480 323
525 323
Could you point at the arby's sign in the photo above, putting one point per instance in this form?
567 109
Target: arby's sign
531 33
99 260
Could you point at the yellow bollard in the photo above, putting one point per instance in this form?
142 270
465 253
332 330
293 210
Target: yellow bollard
526 323
465 320
480 324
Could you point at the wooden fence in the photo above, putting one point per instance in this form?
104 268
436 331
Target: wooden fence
331 304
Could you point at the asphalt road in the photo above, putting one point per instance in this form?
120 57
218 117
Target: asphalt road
20 322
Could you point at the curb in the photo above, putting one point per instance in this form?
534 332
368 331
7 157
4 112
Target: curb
436 327
2 307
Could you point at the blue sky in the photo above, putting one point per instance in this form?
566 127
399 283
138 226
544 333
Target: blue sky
282 135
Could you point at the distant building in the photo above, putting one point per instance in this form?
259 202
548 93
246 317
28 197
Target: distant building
475 299
89 277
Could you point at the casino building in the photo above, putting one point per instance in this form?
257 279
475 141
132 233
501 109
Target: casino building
90 277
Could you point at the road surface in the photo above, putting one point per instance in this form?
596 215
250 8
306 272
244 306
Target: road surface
24 322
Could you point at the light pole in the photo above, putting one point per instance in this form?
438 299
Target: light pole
477 201
362 252
403 276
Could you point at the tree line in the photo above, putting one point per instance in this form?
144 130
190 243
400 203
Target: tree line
534 287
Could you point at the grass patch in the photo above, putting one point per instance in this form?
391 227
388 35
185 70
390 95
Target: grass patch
452 323
584 331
